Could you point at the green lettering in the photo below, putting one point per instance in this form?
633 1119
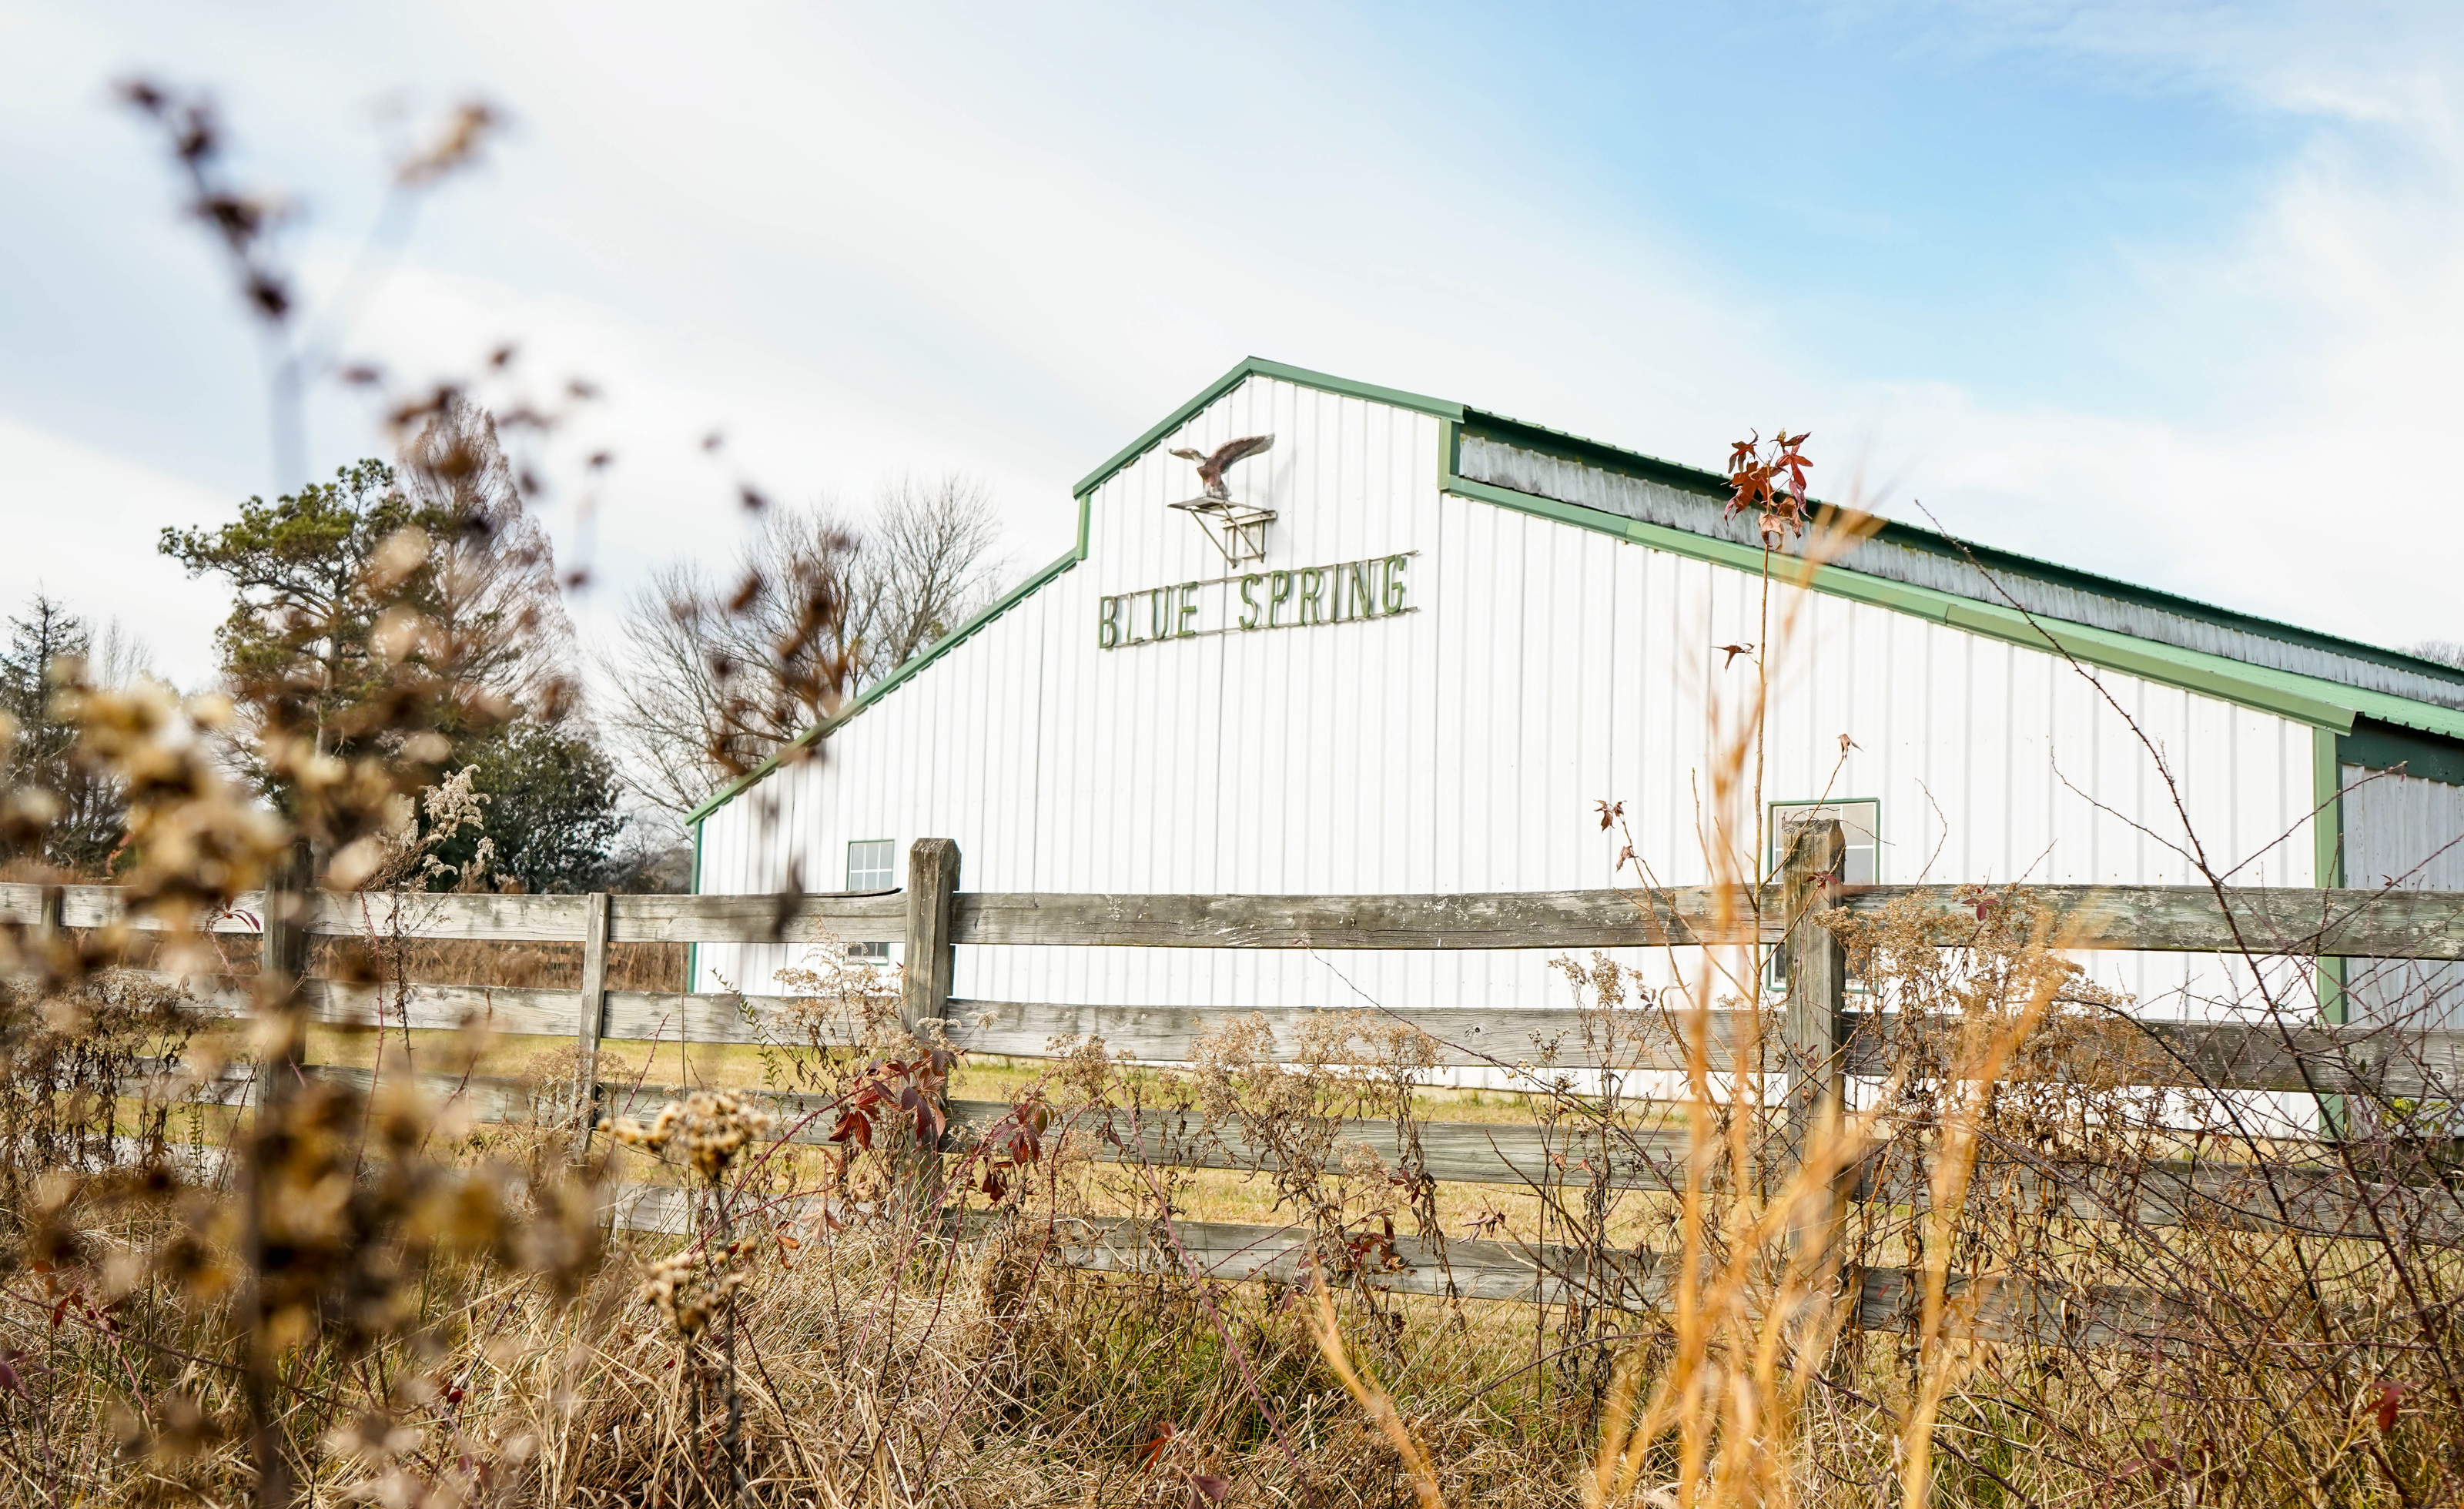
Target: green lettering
1359 571
1279 586
1188 611
1108 628
1312 595
1249 604
1398 586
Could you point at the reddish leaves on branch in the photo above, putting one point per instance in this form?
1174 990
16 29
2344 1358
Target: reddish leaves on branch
1204 1488
1769 478
1370 1249
1014 1142
906 1092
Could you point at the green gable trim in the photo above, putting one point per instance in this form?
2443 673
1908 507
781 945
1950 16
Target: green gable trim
2307 699
2328 873
2378 745
2327 810
693 950
891 682
1259 366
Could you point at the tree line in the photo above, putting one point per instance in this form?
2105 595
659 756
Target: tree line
583 763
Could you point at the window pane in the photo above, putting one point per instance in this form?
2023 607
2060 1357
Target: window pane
870 863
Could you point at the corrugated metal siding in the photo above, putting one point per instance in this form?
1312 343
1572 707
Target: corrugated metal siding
1462 746
2408 832
1569 481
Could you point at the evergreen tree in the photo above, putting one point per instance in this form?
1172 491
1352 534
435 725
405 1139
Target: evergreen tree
43 647
552 813
309 595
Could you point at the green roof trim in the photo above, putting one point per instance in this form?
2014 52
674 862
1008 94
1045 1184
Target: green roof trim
2328 873
2376 746
894 681
1242 371
2309 699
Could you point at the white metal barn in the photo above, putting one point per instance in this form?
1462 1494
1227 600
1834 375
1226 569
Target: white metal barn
1459 632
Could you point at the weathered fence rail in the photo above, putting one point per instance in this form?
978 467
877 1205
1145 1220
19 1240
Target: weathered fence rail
2259 919
1815 1043
2207 1055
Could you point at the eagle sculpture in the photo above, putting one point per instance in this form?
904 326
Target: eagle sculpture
1211 468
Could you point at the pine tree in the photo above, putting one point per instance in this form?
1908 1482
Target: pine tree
45 648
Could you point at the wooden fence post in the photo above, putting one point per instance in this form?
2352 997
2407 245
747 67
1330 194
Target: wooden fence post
931 964
590 1017
1813 1037
50 932
282 963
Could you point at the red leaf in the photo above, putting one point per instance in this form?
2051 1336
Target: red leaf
1158 1437
2383 1409
1207 1486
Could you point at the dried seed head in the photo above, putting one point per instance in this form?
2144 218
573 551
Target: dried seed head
710 1125
690 1287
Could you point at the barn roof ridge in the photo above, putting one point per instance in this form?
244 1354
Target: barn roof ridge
1922 580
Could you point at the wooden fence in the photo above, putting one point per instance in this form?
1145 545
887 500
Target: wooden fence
1817 1041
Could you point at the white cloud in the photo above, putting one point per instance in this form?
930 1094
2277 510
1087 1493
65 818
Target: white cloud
82 527
2313 487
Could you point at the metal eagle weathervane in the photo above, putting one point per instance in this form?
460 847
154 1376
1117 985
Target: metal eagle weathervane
1238 530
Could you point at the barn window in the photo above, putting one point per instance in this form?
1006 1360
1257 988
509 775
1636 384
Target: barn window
1861 825
1860 821
870 867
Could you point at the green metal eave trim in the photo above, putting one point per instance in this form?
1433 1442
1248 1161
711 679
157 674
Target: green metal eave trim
2328 873
2376 746
894 680
693 950
2308 699
1259 366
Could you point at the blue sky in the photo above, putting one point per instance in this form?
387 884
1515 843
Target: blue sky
2145 289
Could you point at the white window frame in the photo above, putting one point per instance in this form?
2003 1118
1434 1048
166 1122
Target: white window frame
887 875
1862 865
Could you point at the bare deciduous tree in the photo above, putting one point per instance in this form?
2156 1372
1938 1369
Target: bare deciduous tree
925 566
496 588
709 679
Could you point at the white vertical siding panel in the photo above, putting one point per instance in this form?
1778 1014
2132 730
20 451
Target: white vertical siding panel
1445 582
2406 831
